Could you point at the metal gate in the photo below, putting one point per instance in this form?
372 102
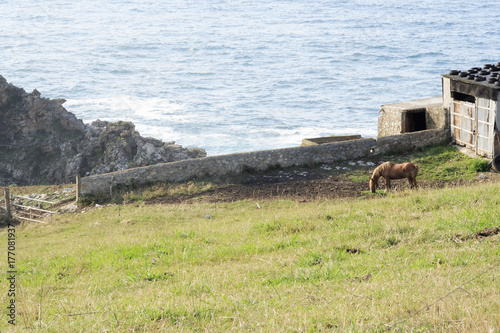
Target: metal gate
21 207
472 125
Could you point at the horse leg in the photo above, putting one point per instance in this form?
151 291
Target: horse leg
414 177
411 181
387 184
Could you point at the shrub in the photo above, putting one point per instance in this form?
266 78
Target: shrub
478 165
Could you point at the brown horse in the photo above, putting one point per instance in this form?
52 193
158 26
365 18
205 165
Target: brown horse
390 171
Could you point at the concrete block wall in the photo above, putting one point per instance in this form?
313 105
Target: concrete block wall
438 117
260 160
394 117
390 122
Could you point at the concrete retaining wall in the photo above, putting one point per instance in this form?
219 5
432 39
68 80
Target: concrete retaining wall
259 160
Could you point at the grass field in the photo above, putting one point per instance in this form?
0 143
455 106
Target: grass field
402 262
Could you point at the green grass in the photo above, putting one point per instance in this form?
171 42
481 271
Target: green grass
447 163
404 261
438 163
165 190
392 263
359 178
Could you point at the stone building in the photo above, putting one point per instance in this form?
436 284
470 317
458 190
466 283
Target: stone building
468 107
412 116
471 96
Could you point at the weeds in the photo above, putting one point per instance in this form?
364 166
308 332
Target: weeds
164 190
478 165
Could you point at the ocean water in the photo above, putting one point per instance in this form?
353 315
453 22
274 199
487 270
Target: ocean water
235 76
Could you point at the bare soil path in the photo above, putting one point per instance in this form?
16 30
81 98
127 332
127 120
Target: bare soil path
303 184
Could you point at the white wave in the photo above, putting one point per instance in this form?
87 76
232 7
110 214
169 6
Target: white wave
164 133
131 107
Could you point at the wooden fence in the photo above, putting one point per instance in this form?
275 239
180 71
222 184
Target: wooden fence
26 211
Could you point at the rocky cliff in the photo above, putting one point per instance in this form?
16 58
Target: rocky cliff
42 143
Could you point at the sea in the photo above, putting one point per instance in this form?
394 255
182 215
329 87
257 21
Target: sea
242 75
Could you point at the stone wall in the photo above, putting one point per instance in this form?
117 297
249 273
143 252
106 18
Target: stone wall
214 166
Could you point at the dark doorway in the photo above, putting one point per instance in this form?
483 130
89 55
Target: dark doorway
415 121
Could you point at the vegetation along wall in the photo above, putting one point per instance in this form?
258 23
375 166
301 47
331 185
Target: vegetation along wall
214 166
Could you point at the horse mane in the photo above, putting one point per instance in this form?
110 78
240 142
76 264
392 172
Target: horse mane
380 169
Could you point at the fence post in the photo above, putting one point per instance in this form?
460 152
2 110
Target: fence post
78 187
7 202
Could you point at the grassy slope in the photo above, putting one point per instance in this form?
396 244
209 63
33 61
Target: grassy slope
361 265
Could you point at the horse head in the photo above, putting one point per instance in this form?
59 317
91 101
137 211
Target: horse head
373 184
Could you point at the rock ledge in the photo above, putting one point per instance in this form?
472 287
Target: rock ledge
42 143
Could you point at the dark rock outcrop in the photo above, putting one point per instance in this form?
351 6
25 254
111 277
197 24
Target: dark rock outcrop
42 143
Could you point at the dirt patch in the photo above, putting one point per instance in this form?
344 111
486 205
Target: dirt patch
486 232
353 251
298 184
366 277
